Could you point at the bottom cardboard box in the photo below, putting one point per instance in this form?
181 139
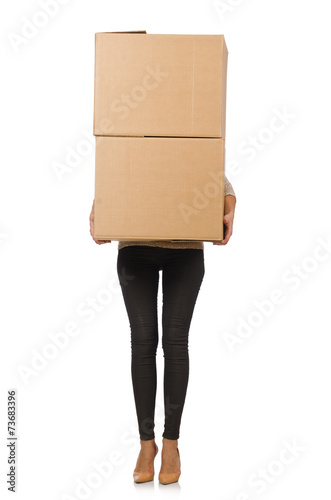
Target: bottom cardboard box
159 188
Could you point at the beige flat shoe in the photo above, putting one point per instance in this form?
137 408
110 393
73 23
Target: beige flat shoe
144 477
169 477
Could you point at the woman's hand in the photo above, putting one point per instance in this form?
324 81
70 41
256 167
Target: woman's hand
229 207
99 242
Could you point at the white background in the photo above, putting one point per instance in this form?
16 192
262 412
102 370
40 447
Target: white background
244 406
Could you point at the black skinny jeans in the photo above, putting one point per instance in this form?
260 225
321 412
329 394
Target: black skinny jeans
138 269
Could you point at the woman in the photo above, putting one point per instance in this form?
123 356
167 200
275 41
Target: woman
182 265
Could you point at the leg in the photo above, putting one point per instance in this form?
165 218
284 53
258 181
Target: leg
139 277
183 271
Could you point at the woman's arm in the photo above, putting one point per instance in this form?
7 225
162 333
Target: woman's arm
99 242
229 209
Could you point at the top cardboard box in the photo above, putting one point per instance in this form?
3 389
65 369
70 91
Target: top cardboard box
160 85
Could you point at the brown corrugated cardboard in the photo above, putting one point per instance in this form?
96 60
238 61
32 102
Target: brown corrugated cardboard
160 85
159 188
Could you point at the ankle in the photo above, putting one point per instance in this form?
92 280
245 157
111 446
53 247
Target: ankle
169 444
150 444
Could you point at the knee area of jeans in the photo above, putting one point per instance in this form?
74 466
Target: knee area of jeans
175 353
143 350
175 338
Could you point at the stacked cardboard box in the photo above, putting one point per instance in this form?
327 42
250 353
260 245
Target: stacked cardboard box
159 122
